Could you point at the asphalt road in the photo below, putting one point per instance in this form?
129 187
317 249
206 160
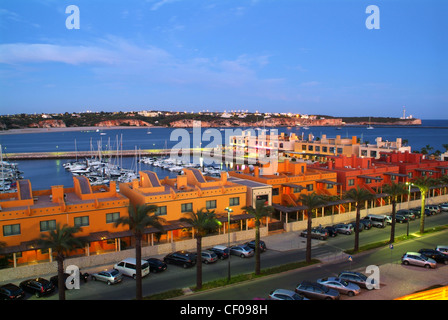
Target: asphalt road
175 277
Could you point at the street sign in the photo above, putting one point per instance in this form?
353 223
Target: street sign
391 246
350 258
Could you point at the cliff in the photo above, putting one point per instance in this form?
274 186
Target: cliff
48 124
270 122
123 122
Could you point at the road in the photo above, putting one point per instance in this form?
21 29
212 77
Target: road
175 277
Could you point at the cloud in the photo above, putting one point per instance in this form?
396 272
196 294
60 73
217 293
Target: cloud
159 4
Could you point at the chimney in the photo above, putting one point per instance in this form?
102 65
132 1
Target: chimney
57 192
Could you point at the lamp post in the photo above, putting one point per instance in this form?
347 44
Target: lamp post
229 210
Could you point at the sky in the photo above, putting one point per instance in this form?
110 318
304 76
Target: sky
299 56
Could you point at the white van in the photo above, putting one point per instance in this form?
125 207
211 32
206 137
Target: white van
127 267
378 221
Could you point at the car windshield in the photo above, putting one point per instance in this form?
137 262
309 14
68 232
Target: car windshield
297 297
114 272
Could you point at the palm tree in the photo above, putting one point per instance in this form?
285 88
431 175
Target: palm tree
394 190
203 221
61 240
139 219
311 201
423 184
359 196
261 210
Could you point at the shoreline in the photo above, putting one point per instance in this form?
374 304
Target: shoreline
95 128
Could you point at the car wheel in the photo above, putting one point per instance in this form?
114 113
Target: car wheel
206 262
351 293
134 276
109 283
37 294
93 278
185 266
445 262
348 232
406 263
427 266
242 255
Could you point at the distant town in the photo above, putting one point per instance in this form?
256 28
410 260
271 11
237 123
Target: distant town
150 118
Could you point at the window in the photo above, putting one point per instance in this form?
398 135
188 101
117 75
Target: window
161 211
112 217
309 187
210 204
296 189
82 221
234 201
47 225
351 182
329 186
339 150
275 192
324 149
11 230
317 149
186 207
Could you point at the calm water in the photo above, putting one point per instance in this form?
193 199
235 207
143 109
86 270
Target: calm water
45 173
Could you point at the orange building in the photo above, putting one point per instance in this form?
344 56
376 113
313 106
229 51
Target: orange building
186 193
26 214
363 172
414 165
290 180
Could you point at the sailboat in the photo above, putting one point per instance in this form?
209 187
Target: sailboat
369 127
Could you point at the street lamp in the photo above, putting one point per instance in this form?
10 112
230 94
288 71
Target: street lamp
229 210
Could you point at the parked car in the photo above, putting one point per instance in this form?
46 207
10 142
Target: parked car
378 221
128 267
434 209
435 255
443 249
208 256
367 223
82 276
10 291
331 231
156 265
39 286
221 251
444 206
283 294
417 212
418 259
357 278
251 244
182 258
343 286
242 250
109 276
361 226
407 213
316 233
344 228
314 290
401 219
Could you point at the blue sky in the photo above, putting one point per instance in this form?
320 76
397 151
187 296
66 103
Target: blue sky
301 56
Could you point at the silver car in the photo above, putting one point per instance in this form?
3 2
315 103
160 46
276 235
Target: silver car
341 285
243 251
344 228
418 259
283 294
209 256
109 276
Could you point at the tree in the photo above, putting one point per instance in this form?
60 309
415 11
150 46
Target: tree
423 184
140 218
261 211
312 202
394 190
359 196
203 221
61 240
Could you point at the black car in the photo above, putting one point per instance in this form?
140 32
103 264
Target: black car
401 219
331 231
251 244
182 258
10 291
221 251
82 276
361 225
39 286
156 265
367 223
316 233
435 255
